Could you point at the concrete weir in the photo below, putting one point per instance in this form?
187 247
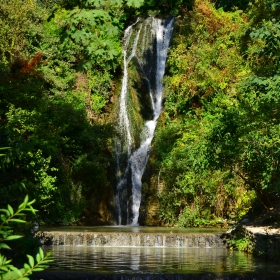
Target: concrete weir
131 239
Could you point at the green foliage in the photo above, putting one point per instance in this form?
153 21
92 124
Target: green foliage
99 85
94 30
7 269
204 67
166 7
52 116
18 28
223 95
95 26
228 5
263 10
205 62
218 142
241 244
11 216
254 150
267 52
102 3
204 200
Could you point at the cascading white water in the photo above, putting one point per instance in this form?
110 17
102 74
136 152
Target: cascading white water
156 35
124 123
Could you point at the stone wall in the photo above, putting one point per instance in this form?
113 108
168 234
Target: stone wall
263 241
126 239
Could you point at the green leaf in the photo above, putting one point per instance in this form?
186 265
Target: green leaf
100 52
33 210
22 206
26 266
38 269
17 221
38 258
5 148
31 260
13 237
4 246
135 3
41 253
11 210
46 261
112 30
6 231
16 270
25 200
31 202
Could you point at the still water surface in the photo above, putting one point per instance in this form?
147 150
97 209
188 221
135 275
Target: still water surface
155 260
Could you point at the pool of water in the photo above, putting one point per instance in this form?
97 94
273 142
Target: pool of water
155 260
132 229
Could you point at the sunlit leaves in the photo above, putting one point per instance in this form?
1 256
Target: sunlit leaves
93 26
267 37
10 272
205 58
7 270
18 18
8 215
135 3
222 88
94 31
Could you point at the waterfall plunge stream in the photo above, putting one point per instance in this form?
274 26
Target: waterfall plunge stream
146 43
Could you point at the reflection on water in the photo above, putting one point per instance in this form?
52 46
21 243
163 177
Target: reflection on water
131 229
155 260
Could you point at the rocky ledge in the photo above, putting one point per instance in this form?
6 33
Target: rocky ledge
263 241
125 239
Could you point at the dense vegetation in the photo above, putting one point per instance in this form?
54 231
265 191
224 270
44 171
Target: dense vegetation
217 144
55 84
216 151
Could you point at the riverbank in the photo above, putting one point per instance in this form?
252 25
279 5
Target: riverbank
146 255
261 231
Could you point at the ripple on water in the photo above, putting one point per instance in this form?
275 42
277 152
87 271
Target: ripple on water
155 260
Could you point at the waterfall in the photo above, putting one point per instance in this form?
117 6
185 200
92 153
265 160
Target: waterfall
145 44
